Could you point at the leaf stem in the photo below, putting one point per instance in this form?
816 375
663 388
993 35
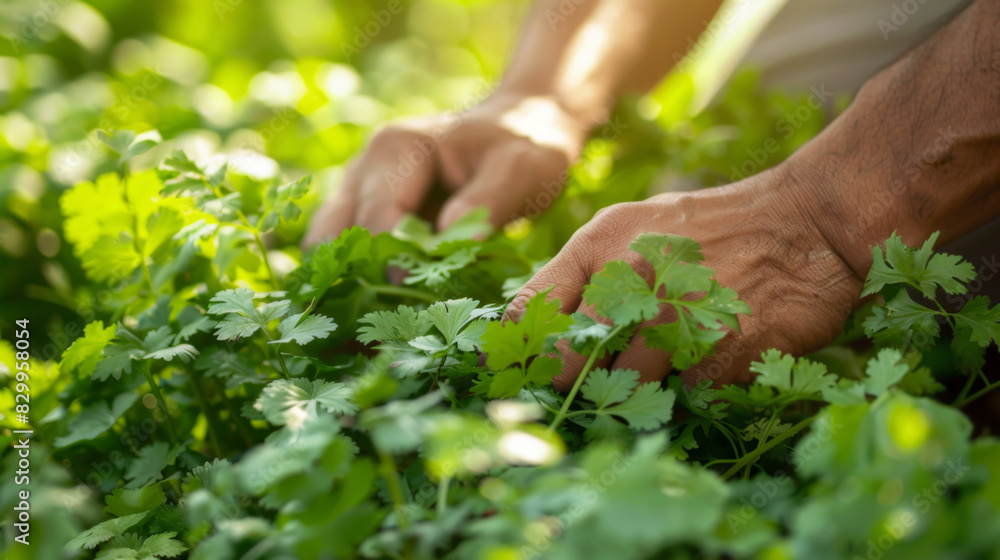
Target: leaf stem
143 368
598 350
442 497
397 291
765 447
388 467
211 415
966 400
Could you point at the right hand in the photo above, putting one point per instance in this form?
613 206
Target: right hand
502 154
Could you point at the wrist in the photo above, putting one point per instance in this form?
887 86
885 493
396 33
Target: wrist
585 111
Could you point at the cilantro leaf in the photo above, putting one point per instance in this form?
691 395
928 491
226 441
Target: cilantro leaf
95 419
293 401
402 325
509 343
620 294
104 531
884 371
604 388
87 350
149 464
618 393
902 322
185 352
304 329
918 268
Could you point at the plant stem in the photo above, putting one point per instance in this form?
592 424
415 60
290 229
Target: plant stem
211 415
442 497
277 352
143 368
977 394
397 291
764 448
263 256
583 375
238 419
543 405
388 466
965 391
137 244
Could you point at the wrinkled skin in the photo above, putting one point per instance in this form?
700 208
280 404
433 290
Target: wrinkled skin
759 243
499 155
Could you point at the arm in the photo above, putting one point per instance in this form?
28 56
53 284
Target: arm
917 151
573 59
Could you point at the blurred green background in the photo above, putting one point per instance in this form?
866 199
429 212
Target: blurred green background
289 87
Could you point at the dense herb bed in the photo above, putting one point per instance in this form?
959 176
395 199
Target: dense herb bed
225 406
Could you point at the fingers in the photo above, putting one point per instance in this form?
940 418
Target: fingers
566 275
652 364
334 216
389 180
395 175
508 181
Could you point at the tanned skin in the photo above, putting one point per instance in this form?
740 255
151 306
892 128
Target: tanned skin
918 151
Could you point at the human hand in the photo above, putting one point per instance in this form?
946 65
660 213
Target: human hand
761 238
499 154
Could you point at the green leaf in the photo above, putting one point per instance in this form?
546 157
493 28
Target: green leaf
982 324
676 262
620 294
149 464
292 402
585 333
685 339
185 352
509 343
304 329
104 531
137 149
118 141
648 408
800 378
332 260
87 350
884 371
604 388
96 419
241 319
122 501
903 322
402 325
238 301
434 273
921 268
162 545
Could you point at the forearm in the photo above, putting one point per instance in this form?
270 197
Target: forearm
918 150
584 53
